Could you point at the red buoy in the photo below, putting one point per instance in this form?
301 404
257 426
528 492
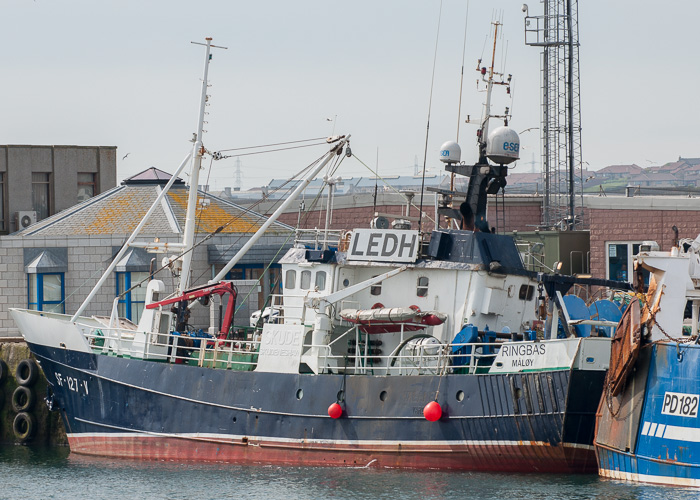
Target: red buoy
335 410
432 411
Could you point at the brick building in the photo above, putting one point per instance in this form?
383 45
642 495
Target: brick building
617 225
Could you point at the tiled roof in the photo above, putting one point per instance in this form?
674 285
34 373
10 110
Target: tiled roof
119 211
620 169
217 213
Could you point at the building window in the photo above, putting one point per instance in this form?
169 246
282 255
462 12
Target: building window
87 186
41 192
3 225
619 259
422 288
290 279
131 303
321 280
46 292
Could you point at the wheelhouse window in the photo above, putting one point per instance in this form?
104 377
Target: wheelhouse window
422 287
87 186
41 194
305 283
290 279
376 289
321 280
132 302
46 292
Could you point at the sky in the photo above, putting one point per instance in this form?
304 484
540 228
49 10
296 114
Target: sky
124 73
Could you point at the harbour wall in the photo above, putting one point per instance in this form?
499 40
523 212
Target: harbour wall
24 415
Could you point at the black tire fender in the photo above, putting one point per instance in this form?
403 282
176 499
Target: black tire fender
3 371
23 399
24 426
27 372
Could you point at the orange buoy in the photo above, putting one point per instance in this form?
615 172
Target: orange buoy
335 410
432 411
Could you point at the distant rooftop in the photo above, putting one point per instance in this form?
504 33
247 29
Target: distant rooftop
151 176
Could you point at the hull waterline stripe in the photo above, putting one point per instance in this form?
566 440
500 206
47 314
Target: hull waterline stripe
647 478
236 439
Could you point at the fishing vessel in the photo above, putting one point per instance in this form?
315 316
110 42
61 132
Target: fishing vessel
389 347
647 428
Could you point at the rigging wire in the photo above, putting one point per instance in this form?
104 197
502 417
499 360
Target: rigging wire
273 144
389 185
376 185
314 202
246 211
427 128
461 82
218 156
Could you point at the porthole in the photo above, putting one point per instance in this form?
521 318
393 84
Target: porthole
459 396
382 396
300 393
346 282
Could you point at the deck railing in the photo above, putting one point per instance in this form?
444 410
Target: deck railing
414 356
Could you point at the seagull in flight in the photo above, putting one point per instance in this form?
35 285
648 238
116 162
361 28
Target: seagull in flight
124 157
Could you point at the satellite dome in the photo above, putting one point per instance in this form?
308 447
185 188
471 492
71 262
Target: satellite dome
503 146
450 152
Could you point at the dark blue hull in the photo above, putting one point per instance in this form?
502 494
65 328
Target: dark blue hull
113 406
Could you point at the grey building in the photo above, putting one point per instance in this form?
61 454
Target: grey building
53 264
39 181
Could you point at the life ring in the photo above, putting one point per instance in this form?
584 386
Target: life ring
24 426
3 371
27 372
23 399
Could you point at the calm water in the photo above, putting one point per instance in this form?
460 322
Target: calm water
27 473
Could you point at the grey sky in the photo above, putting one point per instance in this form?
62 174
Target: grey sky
124 73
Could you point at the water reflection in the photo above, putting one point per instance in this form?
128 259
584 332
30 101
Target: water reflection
42 473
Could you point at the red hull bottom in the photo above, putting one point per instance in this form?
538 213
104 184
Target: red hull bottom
490 457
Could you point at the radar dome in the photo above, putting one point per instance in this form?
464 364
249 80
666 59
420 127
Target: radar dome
503 146
450 152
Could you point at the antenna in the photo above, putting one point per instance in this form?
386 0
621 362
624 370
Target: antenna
556 31
237 184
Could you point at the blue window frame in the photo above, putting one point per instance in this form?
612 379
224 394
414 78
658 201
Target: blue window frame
46 292
131 305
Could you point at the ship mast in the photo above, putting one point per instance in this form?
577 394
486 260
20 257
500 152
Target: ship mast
484 178
197 154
